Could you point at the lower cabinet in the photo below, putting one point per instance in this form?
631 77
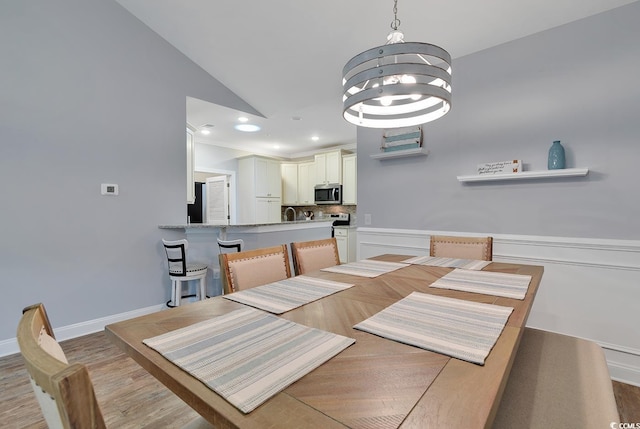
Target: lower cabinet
346 239
267 210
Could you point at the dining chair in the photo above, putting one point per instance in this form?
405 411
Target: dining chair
180 270
479 248
314 255
557 381
255 267
224 246
63 390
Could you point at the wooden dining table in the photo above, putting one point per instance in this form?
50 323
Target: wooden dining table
376 382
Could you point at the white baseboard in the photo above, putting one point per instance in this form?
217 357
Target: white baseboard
590 287
10 346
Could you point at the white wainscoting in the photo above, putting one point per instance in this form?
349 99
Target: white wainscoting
590 287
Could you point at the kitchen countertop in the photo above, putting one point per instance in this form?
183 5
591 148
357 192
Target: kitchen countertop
240 226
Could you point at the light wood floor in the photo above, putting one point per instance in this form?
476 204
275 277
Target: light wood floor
131 398
128 395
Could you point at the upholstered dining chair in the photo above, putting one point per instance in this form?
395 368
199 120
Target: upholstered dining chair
255 267
314 255
479 248
63 390
181 270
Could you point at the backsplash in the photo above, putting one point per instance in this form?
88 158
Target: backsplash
319 212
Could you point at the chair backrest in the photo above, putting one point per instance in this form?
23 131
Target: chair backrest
314 255
230 244
257 267
176 251
64 391
480 248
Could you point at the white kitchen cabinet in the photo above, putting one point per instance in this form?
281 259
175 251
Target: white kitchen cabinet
191 186
346 239
298 180
268 178
259 189
306 182
267 210
289 184
328 167
349 179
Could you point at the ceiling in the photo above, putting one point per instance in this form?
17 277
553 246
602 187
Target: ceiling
285 57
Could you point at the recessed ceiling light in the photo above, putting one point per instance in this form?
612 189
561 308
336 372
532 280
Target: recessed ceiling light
243 119
276 146
315 138
247 128
205 132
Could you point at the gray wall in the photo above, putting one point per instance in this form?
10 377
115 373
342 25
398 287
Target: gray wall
577 83
89 95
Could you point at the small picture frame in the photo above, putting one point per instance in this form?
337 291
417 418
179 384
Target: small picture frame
500 167
397 139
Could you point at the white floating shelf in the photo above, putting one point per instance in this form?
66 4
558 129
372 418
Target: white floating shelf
565 172
421 151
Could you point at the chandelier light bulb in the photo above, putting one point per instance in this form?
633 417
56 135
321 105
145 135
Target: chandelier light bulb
405 78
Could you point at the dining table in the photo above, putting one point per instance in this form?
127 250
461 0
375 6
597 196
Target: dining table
375 382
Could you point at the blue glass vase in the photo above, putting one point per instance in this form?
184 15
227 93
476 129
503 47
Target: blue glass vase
556 156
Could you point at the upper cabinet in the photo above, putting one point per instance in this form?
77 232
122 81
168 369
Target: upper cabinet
191 187
328 167
298 180
349 179
306 182
267 176
289 183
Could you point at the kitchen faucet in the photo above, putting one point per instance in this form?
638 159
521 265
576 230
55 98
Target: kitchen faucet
294 213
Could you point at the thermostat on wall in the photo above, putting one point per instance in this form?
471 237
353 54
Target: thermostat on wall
109 189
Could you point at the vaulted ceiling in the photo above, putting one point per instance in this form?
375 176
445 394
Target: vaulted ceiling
285 57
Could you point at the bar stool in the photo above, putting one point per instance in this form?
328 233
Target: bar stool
182 271
230 244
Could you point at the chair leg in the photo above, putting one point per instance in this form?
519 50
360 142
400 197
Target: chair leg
203 288
178 293
173 292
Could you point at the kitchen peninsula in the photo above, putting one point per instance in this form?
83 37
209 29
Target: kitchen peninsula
203 246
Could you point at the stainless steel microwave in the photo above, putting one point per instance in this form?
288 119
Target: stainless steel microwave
328 194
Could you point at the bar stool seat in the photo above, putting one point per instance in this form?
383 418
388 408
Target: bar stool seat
182 271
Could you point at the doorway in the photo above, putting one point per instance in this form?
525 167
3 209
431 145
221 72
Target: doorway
221 178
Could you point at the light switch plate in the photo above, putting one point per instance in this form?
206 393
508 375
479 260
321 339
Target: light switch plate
367 219
109 189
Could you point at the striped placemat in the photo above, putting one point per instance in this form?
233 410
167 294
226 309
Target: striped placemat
486 282
285 295
467 264
247 356
462 329
366 268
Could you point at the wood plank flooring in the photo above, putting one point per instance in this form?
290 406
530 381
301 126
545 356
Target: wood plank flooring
128 395
628 401
131 398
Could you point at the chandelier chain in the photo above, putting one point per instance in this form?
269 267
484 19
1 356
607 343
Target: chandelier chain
396 22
